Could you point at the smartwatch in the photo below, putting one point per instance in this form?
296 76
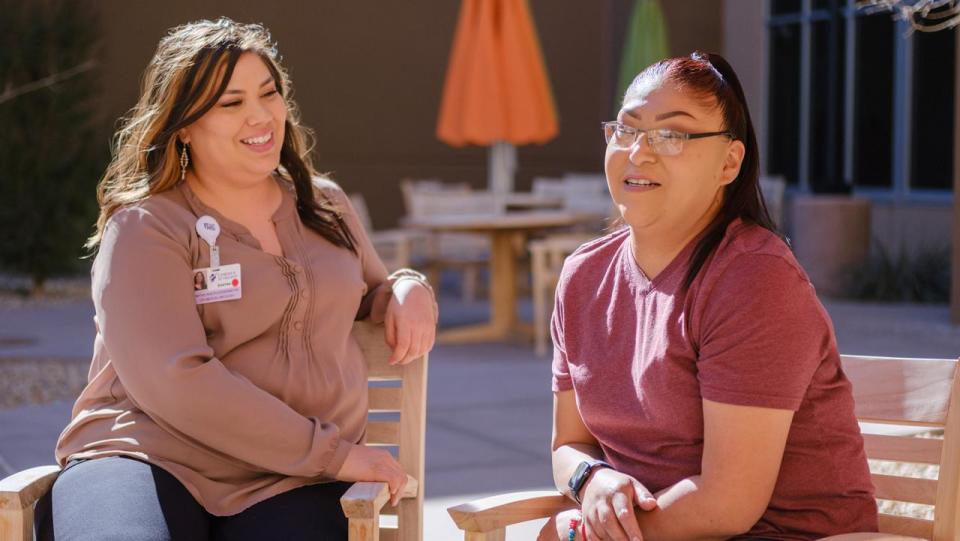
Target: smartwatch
581 474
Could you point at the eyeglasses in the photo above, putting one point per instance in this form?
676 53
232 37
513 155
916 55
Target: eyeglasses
662 141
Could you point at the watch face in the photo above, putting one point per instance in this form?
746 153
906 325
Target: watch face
578 475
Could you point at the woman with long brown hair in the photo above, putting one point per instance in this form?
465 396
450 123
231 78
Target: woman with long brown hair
235 410
698 392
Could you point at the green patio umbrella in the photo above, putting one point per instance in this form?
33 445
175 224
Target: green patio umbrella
646 43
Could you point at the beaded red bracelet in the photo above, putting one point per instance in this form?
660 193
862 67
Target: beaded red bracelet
574 525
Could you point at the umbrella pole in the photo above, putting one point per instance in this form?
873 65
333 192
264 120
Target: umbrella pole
501 167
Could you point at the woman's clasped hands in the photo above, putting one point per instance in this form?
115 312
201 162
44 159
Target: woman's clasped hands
610 503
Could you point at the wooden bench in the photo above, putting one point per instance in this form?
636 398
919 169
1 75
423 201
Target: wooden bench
921 393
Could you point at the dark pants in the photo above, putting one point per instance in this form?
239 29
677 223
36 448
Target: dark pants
120 498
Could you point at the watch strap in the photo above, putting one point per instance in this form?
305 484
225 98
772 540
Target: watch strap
582 473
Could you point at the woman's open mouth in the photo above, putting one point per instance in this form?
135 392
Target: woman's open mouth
634 184
260 143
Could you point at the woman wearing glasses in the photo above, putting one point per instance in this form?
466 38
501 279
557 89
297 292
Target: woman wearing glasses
227 398
698 387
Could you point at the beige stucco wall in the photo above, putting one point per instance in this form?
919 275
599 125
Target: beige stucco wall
368 78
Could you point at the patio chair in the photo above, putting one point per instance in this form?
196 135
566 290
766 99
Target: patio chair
887 391
397 248
549 186
409 187
467 253
581 192
393 390
575 189
546 260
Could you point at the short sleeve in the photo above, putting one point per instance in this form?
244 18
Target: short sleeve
762 334
561 369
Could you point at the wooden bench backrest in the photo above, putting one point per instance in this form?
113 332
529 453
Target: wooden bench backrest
398 401
914 393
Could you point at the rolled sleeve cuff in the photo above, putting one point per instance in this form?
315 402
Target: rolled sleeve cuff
381 297
338 457
735 398
562 384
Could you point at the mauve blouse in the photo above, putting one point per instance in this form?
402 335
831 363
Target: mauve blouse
241 399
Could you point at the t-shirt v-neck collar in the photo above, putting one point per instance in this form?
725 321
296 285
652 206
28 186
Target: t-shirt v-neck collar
677 265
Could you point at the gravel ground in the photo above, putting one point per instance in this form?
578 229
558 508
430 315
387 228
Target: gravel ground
38 381
57 291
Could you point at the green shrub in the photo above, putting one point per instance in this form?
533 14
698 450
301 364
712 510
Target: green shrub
51 152
923 277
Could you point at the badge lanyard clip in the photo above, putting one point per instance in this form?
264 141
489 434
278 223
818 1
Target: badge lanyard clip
209 230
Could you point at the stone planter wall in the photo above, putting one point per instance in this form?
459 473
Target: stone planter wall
830 236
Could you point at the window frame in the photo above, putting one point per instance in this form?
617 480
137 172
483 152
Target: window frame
900 189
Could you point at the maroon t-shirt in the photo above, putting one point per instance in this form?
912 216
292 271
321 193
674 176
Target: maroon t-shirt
642 354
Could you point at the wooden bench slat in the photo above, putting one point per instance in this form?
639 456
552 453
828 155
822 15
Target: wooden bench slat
913 527
383 432
375 350
384 399
384 372
905 489
903 449
885 392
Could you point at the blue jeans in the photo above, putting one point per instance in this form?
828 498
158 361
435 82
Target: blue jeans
119 498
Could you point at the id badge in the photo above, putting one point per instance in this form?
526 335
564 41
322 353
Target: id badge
215 284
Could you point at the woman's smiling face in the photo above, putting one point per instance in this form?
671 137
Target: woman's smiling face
242 134
658 193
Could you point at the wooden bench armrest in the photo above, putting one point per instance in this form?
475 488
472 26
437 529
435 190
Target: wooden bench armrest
872 536
23 489
495 512
364 500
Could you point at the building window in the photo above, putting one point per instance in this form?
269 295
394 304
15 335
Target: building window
784 97
873 101
934 63
856 102
825 135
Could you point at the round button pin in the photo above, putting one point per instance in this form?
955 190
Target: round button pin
208 229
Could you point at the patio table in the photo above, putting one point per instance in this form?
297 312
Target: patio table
506 231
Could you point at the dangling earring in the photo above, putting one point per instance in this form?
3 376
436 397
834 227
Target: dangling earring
184 162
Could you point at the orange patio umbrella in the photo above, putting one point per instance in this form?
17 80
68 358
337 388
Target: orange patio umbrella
496 92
